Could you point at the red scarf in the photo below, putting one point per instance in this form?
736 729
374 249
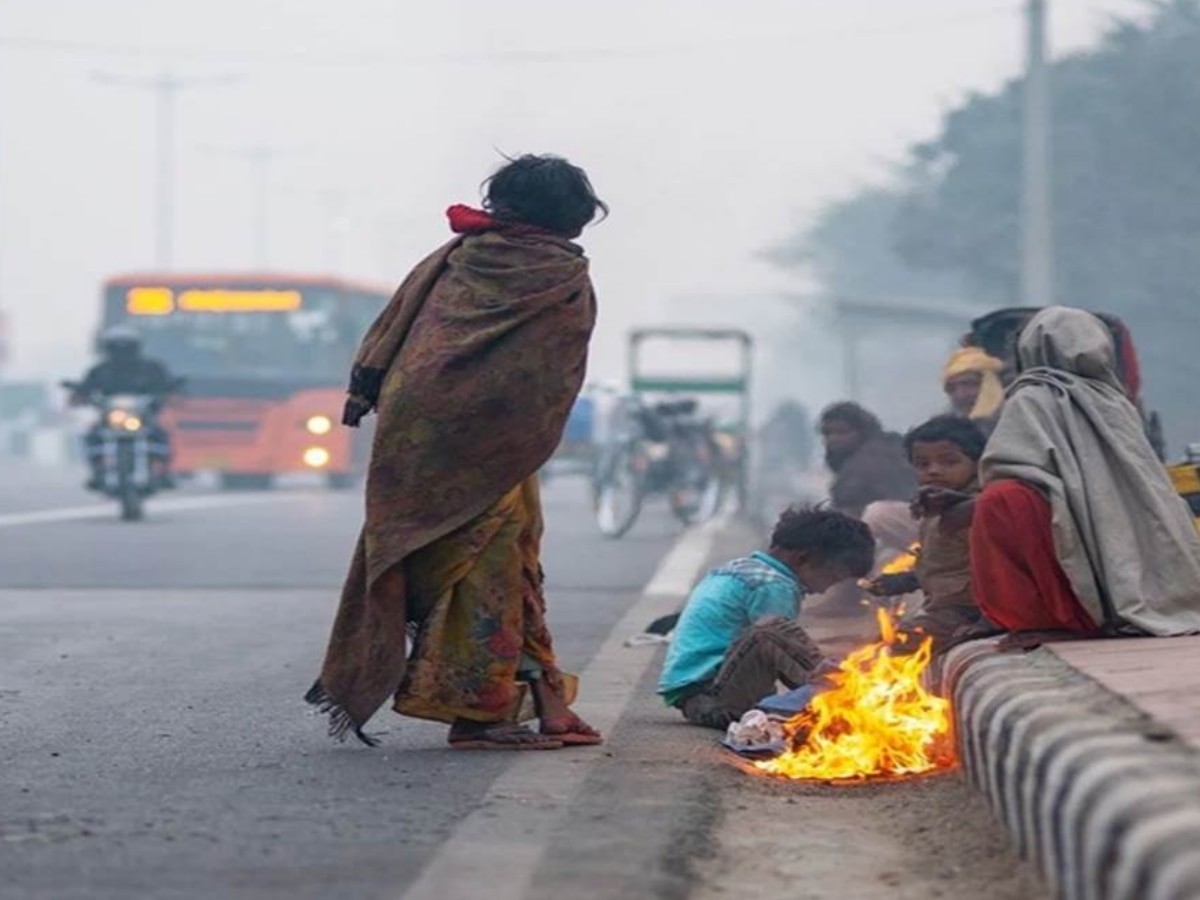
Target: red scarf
468 220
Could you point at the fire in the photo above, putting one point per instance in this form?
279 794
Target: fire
905 562
875 720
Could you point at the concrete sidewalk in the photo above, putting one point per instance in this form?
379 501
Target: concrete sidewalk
1087 751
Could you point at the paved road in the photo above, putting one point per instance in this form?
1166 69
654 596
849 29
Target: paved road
151 731
154 744
26 487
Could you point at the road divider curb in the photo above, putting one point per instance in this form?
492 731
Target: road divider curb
1101 797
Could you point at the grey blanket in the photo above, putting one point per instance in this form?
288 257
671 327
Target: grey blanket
1125 538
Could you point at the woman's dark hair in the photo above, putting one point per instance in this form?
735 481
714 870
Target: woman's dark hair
546 191
830 536
962 433
857 417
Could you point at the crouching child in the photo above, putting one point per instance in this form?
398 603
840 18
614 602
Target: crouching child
738 635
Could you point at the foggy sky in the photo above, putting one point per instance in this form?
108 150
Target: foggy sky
712 127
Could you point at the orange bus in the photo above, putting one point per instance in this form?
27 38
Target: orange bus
266 358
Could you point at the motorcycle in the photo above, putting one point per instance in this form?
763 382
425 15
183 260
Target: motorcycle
127 439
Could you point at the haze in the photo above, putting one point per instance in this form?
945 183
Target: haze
713 129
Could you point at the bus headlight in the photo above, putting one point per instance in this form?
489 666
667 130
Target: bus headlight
316 457
319 425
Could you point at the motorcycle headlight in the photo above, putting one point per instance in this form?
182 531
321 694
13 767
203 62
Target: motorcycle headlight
131 423
117 417
319 425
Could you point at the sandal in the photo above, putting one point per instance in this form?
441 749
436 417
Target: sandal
502 736
572 731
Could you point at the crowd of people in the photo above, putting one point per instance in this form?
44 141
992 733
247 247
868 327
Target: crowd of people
1039 504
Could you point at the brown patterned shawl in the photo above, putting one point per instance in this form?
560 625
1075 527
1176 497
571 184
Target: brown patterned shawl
473 368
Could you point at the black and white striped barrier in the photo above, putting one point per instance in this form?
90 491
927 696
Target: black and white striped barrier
1105 801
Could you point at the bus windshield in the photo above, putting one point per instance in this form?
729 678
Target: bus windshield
259 331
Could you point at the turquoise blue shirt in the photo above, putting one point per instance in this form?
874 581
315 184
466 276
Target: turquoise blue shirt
722 606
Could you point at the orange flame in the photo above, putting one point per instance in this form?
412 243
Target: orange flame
905 562
876 720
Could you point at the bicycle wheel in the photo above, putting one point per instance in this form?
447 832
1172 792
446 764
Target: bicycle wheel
619 494
699 491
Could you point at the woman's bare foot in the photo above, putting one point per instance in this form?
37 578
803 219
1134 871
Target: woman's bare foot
558 721
467 735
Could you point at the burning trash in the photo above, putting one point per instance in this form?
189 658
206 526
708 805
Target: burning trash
872 718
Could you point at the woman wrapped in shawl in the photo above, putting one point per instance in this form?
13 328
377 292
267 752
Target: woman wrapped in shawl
472 370
1078 528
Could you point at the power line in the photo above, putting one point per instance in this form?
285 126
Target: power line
378 58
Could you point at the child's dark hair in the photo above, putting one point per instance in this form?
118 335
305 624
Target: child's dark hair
546 191
830 536
956 430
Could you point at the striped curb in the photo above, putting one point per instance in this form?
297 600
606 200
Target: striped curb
1104 800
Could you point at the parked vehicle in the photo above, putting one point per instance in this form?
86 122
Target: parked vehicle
730 384
1185 476
664 449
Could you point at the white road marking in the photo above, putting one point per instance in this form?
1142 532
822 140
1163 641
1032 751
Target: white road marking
678 570
108 511
496 850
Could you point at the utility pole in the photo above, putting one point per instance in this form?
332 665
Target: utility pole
166 88
337 225
259 157
1037 232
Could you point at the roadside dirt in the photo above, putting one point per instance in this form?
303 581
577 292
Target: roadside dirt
920 839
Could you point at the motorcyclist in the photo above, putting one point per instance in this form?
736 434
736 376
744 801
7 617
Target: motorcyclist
125 370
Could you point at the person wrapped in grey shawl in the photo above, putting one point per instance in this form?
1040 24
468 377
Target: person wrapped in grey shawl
1125 539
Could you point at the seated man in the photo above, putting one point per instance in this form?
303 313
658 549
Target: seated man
738 636
872 479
